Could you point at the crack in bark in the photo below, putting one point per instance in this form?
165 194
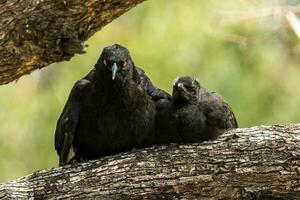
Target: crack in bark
219 169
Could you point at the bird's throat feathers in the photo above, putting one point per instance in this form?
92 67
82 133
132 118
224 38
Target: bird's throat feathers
117 90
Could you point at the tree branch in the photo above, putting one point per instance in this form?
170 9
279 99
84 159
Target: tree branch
36 33
252 163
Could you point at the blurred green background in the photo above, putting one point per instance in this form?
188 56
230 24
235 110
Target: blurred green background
243 49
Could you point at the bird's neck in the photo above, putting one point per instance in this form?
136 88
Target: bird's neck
179 103
117 89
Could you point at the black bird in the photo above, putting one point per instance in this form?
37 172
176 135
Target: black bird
110 110
193 115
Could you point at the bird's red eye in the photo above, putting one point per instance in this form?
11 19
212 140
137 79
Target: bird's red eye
105 62
125 63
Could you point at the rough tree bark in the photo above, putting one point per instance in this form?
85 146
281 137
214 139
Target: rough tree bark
251 163
36 33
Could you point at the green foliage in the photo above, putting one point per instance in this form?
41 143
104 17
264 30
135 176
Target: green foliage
253 63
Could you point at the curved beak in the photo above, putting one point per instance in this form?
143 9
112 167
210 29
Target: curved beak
114 70
180 86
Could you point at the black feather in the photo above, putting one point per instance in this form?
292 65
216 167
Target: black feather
193 115
108 116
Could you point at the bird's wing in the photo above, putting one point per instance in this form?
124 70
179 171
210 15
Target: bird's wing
153 91
68 120
218 112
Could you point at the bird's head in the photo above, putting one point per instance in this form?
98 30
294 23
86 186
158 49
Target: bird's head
115 60
186 90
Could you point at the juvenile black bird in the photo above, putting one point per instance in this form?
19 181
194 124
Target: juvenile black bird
193 115
110 110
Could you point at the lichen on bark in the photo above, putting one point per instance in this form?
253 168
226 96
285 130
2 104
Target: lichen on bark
33 33
250 163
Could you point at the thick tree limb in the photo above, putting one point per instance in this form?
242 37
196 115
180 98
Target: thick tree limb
36 33
251 163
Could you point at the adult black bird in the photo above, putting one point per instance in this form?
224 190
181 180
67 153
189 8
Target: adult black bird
193 115
110 110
